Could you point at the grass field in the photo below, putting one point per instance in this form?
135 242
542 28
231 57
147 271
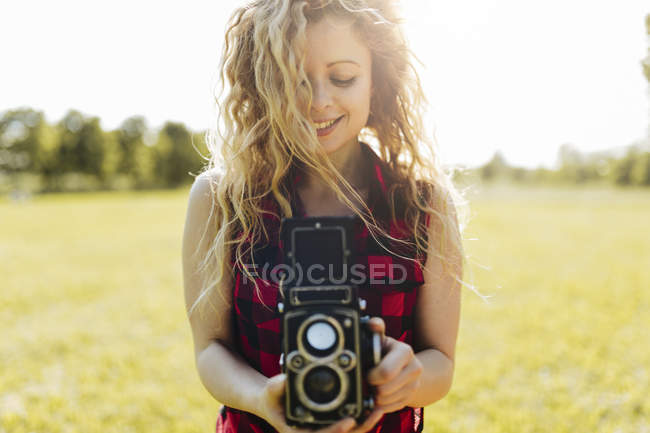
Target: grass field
95 337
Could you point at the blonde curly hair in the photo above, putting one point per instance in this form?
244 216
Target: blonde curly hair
267 133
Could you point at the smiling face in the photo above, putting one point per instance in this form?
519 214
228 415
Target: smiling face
338 66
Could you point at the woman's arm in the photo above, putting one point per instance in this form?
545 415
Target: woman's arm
227 377
421 375
437 312
437 317
225 374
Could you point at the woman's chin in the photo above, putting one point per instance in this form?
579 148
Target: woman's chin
331 147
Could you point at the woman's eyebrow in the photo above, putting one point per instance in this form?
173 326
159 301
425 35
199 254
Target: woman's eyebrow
342 61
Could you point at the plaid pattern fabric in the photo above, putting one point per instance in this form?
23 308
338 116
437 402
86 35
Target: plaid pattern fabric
257 323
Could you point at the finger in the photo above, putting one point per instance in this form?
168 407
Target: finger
398 356
400 395
409 374
377 324
276 385
369 422
392 407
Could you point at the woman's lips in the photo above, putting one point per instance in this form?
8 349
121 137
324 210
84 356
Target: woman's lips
326 131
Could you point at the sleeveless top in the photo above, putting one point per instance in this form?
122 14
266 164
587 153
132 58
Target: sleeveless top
256 322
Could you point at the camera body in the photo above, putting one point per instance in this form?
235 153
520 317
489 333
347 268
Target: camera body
327 346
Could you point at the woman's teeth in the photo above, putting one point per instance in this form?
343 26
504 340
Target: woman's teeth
325 124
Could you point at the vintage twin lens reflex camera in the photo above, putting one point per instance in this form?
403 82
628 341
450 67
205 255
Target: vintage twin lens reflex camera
327 346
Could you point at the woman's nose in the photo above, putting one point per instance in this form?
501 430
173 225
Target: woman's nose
321 97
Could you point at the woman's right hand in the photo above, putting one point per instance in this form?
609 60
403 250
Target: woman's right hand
272 409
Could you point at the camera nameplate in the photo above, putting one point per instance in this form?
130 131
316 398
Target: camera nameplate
321 295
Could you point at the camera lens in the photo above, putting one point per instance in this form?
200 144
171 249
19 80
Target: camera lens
321 336
322 385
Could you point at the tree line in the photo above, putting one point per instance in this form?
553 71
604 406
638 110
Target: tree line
76 154
630 168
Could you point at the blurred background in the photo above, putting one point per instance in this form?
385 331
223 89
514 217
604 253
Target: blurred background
540 111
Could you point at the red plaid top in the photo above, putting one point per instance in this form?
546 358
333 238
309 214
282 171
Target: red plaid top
256 322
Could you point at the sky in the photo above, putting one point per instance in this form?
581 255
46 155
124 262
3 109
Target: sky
514 76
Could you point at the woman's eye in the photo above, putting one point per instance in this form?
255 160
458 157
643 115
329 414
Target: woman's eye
343 82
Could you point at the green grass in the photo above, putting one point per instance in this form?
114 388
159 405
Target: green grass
95 337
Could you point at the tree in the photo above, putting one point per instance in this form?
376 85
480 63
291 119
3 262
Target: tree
130 137
136 160
86 148
640 171
569 155
622 169
177 155
20 140
496 167
574 166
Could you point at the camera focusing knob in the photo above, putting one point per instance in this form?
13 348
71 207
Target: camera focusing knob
362 304
344 360
297 361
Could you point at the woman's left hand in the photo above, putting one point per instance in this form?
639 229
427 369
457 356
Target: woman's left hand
398 374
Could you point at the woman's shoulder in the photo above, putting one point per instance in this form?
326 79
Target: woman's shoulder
201 201
204 187
208 177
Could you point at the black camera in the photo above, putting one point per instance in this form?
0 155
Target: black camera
327 346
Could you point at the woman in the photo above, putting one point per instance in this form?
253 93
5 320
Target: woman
308 80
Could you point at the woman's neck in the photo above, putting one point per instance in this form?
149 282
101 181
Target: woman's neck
348 161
